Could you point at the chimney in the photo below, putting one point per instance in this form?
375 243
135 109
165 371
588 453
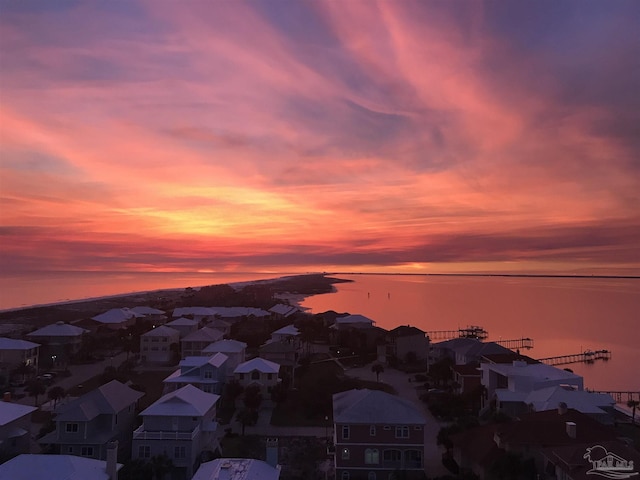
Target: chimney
571 429
6 397
562 408
272 451
112 460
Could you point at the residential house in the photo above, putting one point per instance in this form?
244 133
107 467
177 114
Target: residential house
507 386
284 354
377 434
60 467
59 341
287 334
466 378
466 350
223 325
599 406
85 425
260 372
478 449
158 317
183 325
117 318
236 313
199 314
350 320
160 345
180 425
15 425
206 373
237 469
14 353
281 310
406 343
235 351
194 343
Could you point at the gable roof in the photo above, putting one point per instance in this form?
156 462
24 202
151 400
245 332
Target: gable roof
110 398
13 411
13 344
161 331
225 346
374 407
288 330
203 335
187 401
406 331
186 322
115 316
196 362
259 364
354 319
54 467
58 329
284 310
143 310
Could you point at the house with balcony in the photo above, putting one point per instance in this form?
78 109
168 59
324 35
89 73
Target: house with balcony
14 353
206 373
284 354
156 345
406 343
260 372
59 340
15 424
194 343
180 425
287 334
87 424
377 434
235 351
183 325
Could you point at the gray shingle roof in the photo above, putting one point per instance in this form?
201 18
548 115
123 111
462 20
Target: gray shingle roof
374 407
110 398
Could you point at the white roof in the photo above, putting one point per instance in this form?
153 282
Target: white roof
284 310
259 364
354 319
13 344
115 316
288 330
536 370
216 360
187 401
225 346
182 321
58 329
236 469
374 407
583 401
54 467
162 331
13 411
147 311
204 334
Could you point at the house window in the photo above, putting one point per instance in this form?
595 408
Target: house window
387 427
413 459
72 428
155 340
208 374
371 456
345 476
242 376
269 376
402 432
372 430
144 451
346 455
255 375
417 427
346 432
164 339
391 457
180 452
70 450
86 452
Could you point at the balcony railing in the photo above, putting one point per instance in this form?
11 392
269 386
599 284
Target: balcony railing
141 434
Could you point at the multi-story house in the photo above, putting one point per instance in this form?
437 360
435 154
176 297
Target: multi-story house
376 434
288 334
183 325
59 341
407 343
117 318
156 345
14 353
86 425
284 354
194 343
180 425
235 351
15 424
260 372
206 373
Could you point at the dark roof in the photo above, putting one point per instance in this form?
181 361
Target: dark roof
507 358
110 398
405 331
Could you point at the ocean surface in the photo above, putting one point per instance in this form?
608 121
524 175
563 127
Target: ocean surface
562 315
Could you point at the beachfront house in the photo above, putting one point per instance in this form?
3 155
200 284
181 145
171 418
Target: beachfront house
206 373
15 427
117 318
14 353
349 321
85 425
194 343
406 343
377 434
159 346
59 341
260 372
235 351
287 334
281 310
180 425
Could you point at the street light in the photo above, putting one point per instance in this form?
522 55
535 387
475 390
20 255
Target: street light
53 360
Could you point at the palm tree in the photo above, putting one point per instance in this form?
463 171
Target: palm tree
55 394
632 404
245 417
35 388
377 368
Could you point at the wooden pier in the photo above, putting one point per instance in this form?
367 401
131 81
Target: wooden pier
472 331
620 397
588 356
516 344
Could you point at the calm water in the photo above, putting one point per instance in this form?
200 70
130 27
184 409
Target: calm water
562 315
20 291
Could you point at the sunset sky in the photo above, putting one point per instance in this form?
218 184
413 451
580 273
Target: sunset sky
397 136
